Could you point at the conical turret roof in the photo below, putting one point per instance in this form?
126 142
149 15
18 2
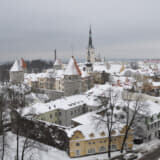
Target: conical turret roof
16 66
72 67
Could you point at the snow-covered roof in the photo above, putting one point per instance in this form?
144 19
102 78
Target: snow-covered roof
92 126
84 74
99 67
49 74
156 84
57 62
153 107
85 118
17 66
72 67
63 103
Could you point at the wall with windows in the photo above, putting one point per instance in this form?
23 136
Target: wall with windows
154 129
51 116
79 146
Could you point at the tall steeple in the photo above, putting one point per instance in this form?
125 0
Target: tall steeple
90 45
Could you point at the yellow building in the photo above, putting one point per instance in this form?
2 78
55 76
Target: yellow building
87 139
80 146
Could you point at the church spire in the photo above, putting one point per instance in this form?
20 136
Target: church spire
90 45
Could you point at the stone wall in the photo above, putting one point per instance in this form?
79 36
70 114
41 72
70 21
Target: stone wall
52 94
16 77
46 133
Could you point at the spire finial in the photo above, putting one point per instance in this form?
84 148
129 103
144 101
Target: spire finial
90 45
90 30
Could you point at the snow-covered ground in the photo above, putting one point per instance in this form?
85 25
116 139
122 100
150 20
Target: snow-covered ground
44 152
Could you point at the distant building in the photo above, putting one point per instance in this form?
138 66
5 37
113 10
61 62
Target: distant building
154 127
63 110
17 71
88 139
72 78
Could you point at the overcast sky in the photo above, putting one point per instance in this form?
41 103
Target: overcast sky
121 28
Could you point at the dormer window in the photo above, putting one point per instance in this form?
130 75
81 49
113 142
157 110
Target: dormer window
102 134
91 135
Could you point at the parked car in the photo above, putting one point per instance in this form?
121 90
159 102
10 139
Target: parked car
130 156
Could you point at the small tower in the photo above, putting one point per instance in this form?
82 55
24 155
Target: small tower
72 78
17 72
57 63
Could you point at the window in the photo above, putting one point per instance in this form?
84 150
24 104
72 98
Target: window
126 146
89 142
71 112
50 116
91 135
102 134
77 144
102 149
60 113
93 142
77 152
91 151
114 147
113 139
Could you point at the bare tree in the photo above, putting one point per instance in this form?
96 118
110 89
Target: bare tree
133 107
2 128
16 101
28 145
107 117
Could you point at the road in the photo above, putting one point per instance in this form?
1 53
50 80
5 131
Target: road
154 155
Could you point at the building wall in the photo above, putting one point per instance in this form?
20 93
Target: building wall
51 116
72 85
17 77
57 67
46 83
59 84
52 94
154 130
87 83
63 117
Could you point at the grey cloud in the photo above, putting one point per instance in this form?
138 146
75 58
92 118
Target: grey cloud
33 28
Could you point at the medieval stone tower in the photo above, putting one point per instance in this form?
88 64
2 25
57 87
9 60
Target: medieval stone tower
72 78
17 72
